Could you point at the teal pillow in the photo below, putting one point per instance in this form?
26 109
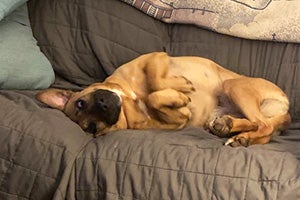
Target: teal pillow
22 64
6 6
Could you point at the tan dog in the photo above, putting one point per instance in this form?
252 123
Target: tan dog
162 92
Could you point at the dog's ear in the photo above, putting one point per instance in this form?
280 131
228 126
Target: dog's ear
55 98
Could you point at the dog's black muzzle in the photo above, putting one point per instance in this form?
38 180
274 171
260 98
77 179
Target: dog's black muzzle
107 105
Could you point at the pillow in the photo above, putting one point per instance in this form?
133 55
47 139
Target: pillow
22 64
6 6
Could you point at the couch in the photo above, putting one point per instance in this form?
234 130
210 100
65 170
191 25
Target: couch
44 155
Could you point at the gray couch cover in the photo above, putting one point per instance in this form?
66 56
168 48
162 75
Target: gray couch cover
44 155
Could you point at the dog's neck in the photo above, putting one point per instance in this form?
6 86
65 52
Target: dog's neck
134 106
122 87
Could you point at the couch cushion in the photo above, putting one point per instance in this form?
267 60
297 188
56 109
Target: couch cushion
38 148
86 42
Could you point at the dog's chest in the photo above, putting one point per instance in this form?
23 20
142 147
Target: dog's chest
143 108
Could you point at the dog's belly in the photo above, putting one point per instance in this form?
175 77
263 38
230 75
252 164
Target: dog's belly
225 107
206 82
201 106
201 72
206 106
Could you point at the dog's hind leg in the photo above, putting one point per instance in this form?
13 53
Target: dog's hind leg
263 134
270 114
226 126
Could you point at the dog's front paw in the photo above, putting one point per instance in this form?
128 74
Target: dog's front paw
182 84
221 126
181 101
237 141
185 116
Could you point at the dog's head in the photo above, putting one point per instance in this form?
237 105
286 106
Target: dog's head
97 109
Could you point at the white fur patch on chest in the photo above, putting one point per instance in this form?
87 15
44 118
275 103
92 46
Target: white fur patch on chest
133 95
143 108
121 93
117 92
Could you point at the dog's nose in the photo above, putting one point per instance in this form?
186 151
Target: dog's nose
102 103
107 105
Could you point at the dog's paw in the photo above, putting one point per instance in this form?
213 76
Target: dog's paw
237 141
186 112
185 115
176 116
220 126
182 84
181 101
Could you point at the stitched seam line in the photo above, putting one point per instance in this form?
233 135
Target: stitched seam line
204 173
249 170
215 175
183 173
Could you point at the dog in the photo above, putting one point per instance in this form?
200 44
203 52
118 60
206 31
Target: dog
156 91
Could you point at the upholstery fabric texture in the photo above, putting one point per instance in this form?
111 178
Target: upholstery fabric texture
44 155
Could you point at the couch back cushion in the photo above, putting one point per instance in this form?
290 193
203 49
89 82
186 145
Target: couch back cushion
87 41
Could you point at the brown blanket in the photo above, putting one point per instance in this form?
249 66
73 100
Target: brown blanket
261 19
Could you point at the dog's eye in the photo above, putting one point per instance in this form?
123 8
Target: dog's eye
81 104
